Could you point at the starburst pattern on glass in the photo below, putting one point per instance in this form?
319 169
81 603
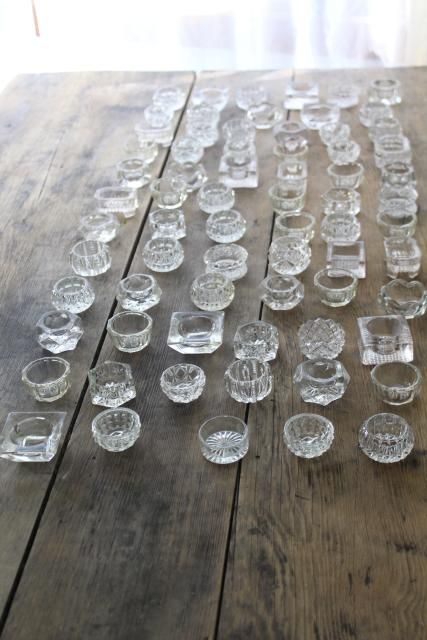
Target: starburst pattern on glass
212 292
120 200
256 339
163 254
226 226
47 379
73 293
386 437
321 338
111 384
384 339
130 331
321 381
228 259
340 227
403 257
224 439
349 256
289 255
295 225
167 223
116 429
248 380
308 435
281 293
336 287
196 331
99 226
396 383
31 436
59 331
90 258
408 299
183 383
346 176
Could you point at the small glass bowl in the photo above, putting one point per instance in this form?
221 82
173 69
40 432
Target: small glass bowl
393 226
31 436
187 149
72 293
386 90
214 197
384 126
111 384
286 197
341 201
265 115
193 174
250 95
258 340
334 132
163 254
317 114
196 331
398 205
340 227
370 111
408 299
403 257
281 293
224 439
205 132
158 116
321 338
396 383
133 173
168 193
183 383
336 287
345 95
384 339
248 380
386 438
47 379
321 381
146 150
225 226
288 129
216 97
90 258
59 331
343 151
392 148
241 127
293 171
346 176
202 114
138 292
308 435
116 429
120 200
298 93
289 256
398 174
130 331
294 147
228 259
99 226
212 292
172 98
167 223
295 225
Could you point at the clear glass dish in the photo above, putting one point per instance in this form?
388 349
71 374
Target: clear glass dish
117 199
285 197
228 259
396 383
167 223
90 258
99 226
408 299
265 115
370 111
340 227
130 331
72 293
214 197
321 381
172 98
385 339
299 93
308 435
385 90
321 338
281 293
397 226
317 114
168 193
196 331
256 339
295 225
31 436
289 256
403 257
47 379
344 94
343 151
386 438
341 201
138 292
163 254
248 380
346 176
225 226
224 439
193 174
350 256
133 173
116 429
145 150
249 95
216 97
183 383
111 384
59 331
212 292
187 149
332 132
336 287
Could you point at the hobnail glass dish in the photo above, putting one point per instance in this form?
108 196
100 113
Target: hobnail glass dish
350 256
214 197
167 223
346 176
397 226
99 226
72 293
343 94
138 292
321 381
59 331
196 331
336 287
228 259
265 115
225 226
286 197
31 436
117 199
295 225
334 132
90 258
403 257
250 95
111 384
343 151
396 383
386 90
216 97
256 339
130 331
321 338
370 111
340 227
224 439
168 193
341 201
384 339
163 254
248 380
192 173
317 114
187 149
183 383
281 293
308 435
408 299
170 97
47 379
299 93
212 292
133 173
386 437
116 429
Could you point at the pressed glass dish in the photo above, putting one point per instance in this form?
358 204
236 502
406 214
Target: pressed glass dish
183 383
130 331
321 338
321 381
408 299
340 227
346 176
239 126
288 129
392 148
265 115
341 201
205 132
90 258
203 113
192 173
299 93
72 293
396 383
289 256
383 126
214 197
281 293
370 111
343 151
248 380
334 132
119 200
212 292
216 97
319 113
386 90
384 339
158 116
398 174
286 197
138 292
111 384
350 256
224 439
31 436
170 97
163 254
293 172
403 257
344 94
386 438
308 435
196 331
256 339
397 226
228 259
295 225
336 287
99 226
145 150
116 429
59 331
250 95
239 169
187 149
225 226
47 379
294 147
133 173
167 223
397 205
168 193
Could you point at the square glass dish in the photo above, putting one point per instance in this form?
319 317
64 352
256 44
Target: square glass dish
31 436
196 332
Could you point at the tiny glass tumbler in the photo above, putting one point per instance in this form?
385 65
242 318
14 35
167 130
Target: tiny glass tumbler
258 340
72 293
59 331
163 254
248 380
396 383
138 292
336 287
308 435
47 379
386 438
183 383
281 293
111 384
225 226
90 258
212 292
228 259
224 439
130 331
116 429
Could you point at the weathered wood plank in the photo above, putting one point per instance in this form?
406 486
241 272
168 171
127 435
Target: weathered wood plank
61 136
335 547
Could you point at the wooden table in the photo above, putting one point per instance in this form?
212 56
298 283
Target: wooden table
156 543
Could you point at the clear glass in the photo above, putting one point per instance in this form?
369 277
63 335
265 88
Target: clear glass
138 292
196 331
168 193
90 258
343 151
289 256
187 149
385 90
321 338
206 133
224 439
116 429
216 97
203 114
281 293
299 93
333 132
385 339
133 173
383 126
389 191
408 299
225 226
170 97
336 287
228 259
396 383
145 150
161 135
340 227
289 129
397 205
319 113
256 339
120 200
158 116
293 172
392 148
212 292
214 197
346 176
295 225
398 174
167 223
321 381
345 95
403 257
348 256
239 169
248 380
59 331
265 115
294 147
286 197
193 174
163 254
99 226
308 435
111 384
183 383
250 95
240 126
397 226
386 437
47 379
130 331
341 201
31 436
73 293
370 111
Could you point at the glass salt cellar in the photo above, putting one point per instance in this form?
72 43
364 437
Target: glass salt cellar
289 255
228 259
346 176
386 438
216 97
321 338
250 95
344 95
408 299
396 383
163 254
212 292
59 331
295 225
384 339
248 380
168 193
398 174
341 201
225 226
403 257
240 127
138 292
196 331
214 197
340 227
187 149
145 150
350 256
72 293
370 111
183 383
205 132
47 379
286 197
265 115
316 114
343 151
167 223
392 148
321 381
334 132
224 439
256 339
396 226
308 435
171 98
193 174
133 173
292 147
336 287
239 168
385 90
111 384
161 133
281 293
383 126
99 226
130 331
118 200
116 429
90 258
31 436
298 94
